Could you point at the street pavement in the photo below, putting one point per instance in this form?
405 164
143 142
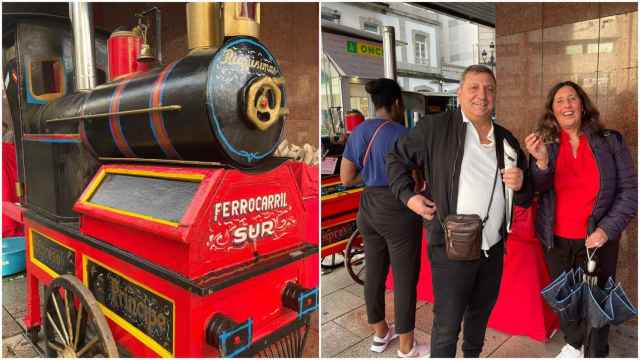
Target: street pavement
345 332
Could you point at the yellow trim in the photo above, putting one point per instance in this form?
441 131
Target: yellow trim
37 262
336 224
134 331
332 183
335 244
341 193
194 177
136 215
93 186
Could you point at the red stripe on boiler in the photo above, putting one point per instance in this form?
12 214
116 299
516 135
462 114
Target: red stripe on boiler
157 118
116 126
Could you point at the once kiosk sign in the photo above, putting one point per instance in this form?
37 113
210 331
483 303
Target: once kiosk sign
360 48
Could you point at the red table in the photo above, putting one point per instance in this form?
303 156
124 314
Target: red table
520 309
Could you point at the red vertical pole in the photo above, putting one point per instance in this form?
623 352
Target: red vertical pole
32 317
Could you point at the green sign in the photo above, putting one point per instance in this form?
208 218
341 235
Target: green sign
360 48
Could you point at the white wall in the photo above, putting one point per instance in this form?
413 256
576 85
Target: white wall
410 26
451 49
461 42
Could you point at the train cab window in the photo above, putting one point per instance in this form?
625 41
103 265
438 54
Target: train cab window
46 79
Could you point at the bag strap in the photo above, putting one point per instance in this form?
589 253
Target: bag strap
373 137
484 221
493 190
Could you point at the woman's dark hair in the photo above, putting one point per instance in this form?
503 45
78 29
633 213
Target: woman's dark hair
548 127
384 92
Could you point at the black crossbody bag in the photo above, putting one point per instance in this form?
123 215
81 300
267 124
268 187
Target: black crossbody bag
463 233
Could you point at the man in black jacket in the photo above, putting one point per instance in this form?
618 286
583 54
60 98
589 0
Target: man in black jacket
461 153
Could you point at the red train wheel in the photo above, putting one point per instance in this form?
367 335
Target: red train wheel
354 258
73 323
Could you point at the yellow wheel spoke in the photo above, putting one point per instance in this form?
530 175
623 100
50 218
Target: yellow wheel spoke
55 327
66 307
87 347
64 331
77 327
55 346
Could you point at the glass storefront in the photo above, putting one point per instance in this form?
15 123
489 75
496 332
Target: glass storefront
330 99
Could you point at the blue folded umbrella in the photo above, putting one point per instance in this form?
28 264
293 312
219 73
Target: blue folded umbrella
619 307
573 298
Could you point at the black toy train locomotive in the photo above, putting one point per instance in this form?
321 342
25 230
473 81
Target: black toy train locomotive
153 199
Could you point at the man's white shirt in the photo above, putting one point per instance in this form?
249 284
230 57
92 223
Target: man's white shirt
477 172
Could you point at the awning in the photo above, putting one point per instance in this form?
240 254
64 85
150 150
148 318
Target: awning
354 57
479 12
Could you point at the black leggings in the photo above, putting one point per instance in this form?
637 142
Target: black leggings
567 254
392 235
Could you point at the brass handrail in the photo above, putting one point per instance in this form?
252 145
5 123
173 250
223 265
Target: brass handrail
126 112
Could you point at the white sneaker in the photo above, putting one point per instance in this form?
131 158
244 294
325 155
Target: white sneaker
380 344
422 350
569 352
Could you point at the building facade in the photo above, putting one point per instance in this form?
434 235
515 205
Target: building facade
432 50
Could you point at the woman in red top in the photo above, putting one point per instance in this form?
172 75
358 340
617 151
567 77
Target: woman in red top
587 184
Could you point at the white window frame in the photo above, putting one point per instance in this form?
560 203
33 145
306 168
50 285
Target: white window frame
425 59
371 21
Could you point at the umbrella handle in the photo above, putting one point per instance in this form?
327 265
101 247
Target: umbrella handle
591 263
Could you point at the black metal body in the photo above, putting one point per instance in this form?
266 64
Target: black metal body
53 171
211 126
56 159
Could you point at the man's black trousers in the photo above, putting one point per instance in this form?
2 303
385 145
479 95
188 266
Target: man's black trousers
568 254
392 235
463 290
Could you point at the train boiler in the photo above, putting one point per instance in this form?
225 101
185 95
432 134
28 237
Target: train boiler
156 215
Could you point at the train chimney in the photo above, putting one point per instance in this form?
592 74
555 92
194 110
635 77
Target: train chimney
389 48
81 15
242 19
204 25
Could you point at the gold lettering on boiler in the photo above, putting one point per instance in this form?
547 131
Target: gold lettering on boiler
231 57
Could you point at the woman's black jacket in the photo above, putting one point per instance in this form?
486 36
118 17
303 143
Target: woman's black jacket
617 199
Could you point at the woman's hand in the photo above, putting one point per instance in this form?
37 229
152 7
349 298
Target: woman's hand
536 147
597 239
